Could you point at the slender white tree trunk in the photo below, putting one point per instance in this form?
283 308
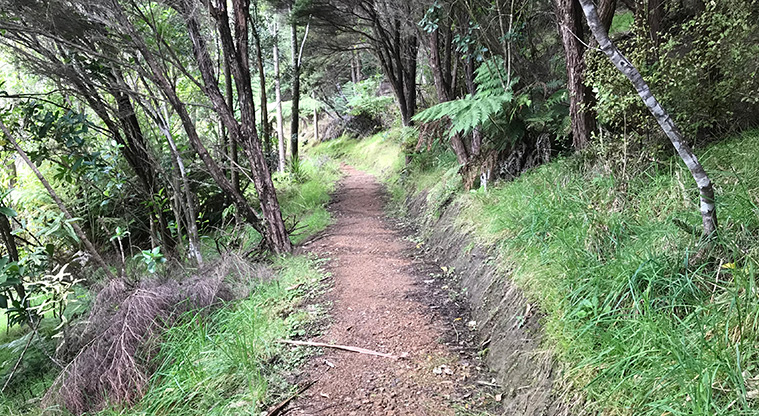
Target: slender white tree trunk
708 209
316 121
193 238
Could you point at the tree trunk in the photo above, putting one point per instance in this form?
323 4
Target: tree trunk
606 10
441 71
295 122
708 209
265 127
77 230
476 139
440 65
356 66
245 132
191 218
10 244
316 122
580 96
648 17
136 152
278 98
233 145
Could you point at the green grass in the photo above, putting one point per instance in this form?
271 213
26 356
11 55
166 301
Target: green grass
229 362
379 154
635 327
304 195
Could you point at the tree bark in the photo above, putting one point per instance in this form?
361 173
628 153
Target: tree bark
77 230
234 168
191 217
10 244
580 96
606 10
316 121
476 139
278 99
706 191
648 16
295 122
440 67
275 236
265 127
137 155
441 51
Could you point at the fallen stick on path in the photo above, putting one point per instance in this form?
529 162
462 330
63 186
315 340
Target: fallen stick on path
339 347
485 383
279 407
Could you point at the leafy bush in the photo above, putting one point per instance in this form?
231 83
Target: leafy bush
704 71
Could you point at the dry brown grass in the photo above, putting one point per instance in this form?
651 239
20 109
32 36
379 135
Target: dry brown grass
110 353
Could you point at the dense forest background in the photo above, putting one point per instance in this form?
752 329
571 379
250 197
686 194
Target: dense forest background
159 153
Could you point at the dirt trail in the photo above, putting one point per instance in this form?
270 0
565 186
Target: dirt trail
374 307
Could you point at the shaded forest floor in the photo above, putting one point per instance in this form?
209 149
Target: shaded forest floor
379 304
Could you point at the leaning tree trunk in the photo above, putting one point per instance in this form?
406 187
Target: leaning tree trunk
316 120
708 209
167 88
77 229
580 95
191 217
275 236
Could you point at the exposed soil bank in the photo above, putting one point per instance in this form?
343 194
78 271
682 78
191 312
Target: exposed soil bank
508 328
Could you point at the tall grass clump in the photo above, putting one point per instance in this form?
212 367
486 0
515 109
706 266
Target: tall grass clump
641 328
304 193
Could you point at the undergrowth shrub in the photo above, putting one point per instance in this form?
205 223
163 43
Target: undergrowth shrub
229 361
704 71
113 348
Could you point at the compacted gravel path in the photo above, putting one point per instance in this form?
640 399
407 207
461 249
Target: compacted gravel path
373 307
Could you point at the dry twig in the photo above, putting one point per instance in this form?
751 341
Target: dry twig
339 347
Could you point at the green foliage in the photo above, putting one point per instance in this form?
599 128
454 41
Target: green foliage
502 115
151 259
621 23
493 108
703 72
468 113
362 98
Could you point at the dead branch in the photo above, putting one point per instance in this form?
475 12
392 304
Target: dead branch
339 347
279 407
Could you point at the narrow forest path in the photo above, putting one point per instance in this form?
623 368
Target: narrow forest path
374 308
